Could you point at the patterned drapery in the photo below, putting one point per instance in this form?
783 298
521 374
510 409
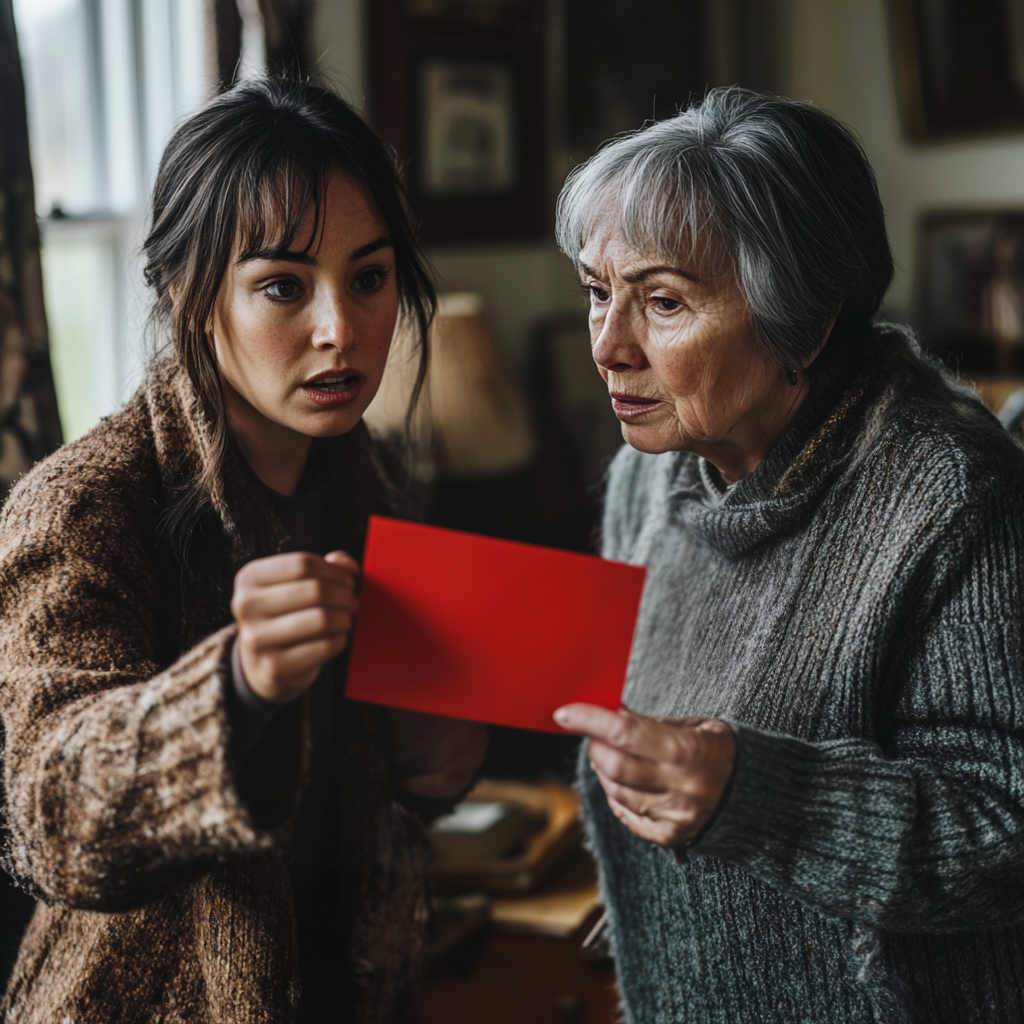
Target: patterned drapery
29 422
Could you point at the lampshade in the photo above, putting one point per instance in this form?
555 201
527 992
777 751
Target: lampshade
472 420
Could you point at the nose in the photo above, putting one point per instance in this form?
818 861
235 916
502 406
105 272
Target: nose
333 324
617 347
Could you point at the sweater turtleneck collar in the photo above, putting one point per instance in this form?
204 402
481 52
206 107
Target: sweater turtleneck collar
779 494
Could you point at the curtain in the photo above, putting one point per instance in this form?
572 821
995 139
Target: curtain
287 28
29 422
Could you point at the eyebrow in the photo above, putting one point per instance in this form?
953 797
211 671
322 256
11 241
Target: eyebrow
307 259
364 250
635 276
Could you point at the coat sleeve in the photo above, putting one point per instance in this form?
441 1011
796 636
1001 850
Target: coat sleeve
923 831
118 780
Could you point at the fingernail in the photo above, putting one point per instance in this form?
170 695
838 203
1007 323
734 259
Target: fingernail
561 716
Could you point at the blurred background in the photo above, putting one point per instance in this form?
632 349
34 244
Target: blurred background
490 103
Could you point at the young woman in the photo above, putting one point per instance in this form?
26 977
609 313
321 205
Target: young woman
214 835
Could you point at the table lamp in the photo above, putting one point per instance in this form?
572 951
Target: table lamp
472 421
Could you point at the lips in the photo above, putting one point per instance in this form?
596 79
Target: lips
333 387
629 407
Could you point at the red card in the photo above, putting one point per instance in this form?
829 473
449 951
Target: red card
471 627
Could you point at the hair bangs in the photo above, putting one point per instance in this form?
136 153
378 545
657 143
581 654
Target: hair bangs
281 206
657 202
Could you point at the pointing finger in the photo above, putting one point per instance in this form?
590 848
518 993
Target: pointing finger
593 721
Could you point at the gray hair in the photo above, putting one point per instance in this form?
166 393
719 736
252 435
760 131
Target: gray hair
780 189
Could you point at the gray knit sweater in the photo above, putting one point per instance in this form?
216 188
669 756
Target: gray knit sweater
854 609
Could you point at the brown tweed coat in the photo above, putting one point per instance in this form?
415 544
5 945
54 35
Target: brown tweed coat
163 885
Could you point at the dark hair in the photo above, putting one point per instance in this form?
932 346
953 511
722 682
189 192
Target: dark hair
253 166
782 189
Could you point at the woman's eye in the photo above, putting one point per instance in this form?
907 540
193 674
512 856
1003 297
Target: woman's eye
666 305
370 281
598 294
282 290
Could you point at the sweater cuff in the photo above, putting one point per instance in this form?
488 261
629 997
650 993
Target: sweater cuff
766 805
248 713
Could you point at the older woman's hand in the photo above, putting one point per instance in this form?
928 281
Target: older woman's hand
663 777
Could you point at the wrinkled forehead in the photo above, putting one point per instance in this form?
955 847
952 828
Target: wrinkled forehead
666 227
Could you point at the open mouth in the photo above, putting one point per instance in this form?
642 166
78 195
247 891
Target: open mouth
332 385
336 388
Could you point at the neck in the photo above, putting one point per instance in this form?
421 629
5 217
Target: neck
276 454
750 441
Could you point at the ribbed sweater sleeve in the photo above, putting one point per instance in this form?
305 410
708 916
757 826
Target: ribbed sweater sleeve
925 830
118 777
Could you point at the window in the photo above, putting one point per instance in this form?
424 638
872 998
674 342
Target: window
106 81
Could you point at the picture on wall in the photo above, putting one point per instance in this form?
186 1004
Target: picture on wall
460 89
960 66
467 127
971 288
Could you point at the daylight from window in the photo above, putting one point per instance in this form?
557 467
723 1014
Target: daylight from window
106 81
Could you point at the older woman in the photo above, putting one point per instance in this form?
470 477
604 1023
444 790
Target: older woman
812 810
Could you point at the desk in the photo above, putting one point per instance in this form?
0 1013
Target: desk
523 979
526 966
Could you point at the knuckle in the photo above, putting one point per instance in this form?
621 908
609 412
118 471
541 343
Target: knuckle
613 764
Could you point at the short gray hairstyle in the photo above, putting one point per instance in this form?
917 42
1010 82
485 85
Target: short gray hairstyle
781 189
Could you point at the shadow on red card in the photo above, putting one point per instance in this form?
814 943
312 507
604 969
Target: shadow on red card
471 627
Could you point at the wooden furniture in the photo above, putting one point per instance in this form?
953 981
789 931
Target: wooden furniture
528 965
509 934
522 979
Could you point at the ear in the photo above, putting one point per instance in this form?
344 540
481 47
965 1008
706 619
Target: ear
826 333
173 291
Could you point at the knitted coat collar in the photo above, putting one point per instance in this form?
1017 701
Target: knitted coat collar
827 435
381 836
182 435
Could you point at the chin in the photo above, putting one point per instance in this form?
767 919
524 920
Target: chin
646 440
332 424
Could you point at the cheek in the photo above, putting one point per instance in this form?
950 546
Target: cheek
684 362
713 378
250 342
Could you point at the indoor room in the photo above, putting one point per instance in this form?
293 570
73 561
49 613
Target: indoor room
537 885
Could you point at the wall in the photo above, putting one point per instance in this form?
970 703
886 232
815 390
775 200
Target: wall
838 55
834 52
520 283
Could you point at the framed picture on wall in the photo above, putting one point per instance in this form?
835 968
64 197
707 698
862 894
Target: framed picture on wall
460 90
959 66
468 136
970 288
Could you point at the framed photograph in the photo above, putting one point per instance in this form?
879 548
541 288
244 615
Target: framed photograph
467 128
971 288
459 89
959 66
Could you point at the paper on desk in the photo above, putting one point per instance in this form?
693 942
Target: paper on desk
471 627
